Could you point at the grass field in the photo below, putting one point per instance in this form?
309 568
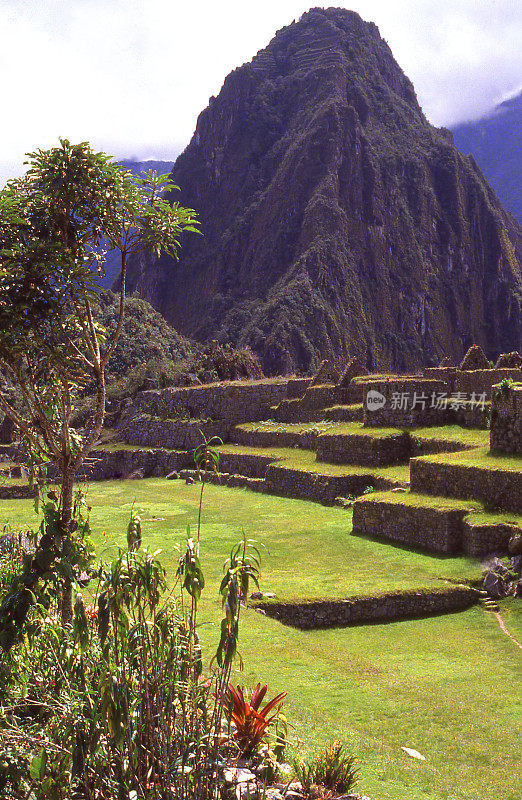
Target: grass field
306 460
447 686
480 457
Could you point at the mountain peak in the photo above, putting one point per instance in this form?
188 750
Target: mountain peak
336 219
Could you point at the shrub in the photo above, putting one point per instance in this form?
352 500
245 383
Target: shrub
118 704
331 769
251 723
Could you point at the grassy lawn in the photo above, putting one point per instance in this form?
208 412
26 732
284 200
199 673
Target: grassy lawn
338 428
424 501
448 433
472 437
306 460
494 518
448 686
481 457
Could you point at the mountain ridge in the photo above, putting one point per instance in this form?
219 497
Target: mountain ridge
336 219
494 141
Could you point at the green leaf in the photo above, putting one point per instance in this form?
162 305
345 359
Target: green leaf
134 533
80 624
38 766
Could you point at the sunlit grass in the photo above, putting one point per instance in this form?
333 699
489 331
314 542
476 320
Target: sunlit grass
447 686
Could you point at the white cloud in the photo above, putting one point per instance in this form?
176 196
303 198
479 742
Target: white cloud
131 76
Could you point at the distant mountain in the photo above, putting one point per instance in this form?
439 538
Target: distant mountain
496 144
336 220
161 167
113 261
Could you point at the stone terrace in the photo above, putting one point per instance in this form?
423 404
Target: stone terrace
321 442
296 437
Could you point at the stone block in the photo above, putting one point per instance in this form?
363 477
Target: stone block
506 419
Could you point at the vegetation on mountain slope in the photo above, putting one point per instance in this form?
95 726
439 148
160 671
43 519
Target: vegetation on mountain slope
335 218
494 142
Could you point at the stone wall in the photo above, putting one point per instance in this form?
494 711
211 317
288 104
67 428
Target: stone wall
274 438
364 450
174 434
153 462
313 486
483 539
385 607
324 396
445 374
310 407
426 447
403 402
296 387
351 413
233 402
252 465
482 380
470 415
496 488
434 529
17 492
290 410
506 420
228 479
473 380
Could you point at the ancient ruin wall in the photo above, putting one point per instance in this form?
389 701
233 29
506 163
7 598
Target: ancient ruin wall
506 420
381 608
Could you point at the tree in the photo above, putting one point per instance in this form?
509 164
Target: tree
53 222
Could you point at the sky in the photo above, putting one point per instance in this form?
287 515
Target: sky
131 76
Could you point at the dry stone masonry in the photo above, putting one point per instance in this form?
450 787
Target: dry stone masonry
506 419
383 607
313 446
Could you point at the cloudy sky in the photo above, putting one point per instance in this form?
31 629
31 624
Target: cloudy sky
131 76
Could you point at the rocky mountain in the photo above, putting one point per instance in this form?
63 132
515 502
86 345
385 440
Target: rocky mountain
495 142
113 260
336 220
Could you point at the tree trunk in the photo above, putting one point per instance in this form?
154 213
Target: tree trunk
66 503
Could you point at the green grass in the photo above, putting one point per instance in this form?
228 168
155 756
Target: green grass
305 460
472 437
342 565
480 457
113 447
448 686
511 610
424 501
338 428
494 518
5 481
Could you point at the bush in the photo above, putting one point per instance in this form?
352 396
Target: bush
119 704
331 769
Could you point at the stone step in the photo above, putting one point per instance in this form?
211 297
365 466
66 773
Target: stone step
494 481
175 434
224 479
488 533
248 464
291 410
490 606
412 519
382 607
275 435
290 481
364 448
232 401
316 399
116 462
297 473
350 413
